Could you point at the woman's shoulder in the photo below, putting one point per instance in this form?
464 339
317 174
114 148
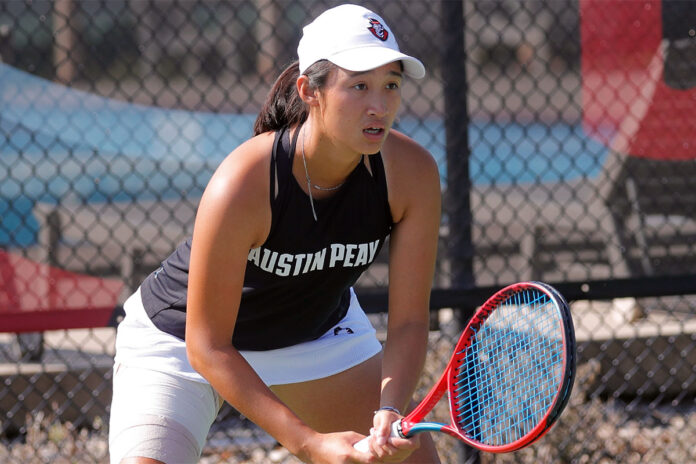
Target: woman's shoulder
245 169
404 155
412 175
240 188
249 155
255 148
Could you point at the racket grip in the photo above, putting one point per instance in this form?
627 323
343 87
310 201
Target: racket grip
362 445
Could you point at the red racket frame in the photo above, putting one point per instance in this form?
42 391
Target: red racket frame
448 378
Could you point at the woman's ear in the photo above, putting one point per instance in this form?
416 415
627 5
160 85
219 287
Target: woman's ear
305 91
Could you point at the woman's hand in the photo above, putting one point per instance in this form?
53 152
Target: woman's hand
334 448
385 447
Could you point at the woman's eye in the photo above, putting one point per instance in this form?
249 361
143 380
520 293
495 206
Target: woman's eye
359 86
393 86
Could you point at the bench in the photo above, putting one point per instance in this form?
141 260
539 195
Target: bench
120 239
35 297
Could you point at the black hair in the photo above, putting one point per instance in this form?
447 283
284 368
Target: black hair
283 106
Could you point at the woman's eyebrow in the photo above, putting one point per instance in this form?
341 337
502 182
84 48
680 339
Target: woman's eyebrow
359 73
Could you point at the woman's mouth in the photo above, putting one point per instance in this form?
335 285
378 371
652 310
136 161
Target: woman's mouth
374 132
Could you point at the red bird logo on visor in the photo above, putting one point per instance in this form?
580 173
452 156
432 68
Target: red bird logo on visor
378 30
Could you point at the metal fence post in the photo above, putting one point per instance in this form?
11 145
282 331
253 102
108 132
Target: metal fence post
457 196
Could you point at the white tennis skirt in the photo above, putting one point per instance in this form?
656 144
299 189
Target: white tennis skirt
350 342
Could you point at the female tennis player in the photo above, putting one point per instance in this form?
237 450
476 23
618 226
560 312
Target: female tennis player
257 308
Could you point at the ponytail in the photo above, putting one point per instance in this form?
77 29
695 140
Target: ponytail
283 106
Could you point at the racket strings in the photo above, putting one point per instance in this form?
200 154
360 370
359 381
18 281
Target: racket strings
509 375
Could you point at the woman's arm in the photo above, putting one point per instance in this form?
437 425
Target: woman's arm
415 201
233 217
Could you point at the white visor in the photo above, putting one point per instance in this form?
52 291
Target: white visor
353 38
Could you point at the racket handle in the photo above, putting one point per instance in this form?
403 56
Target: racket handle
395 432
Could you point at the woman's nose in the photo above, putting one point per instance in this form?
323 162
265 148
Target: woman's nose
378 107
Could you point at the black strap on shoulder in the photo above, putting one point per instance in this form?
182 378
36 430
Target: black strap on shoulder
380 177
274 170
281 171
377 168
281 161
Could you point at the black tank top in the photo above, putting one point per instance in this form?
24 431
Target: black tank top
297 284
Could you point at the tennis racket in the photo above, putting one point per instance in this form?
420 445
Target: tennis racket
510 376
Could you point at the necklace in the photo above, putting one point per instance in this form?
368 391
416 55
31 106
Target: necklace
310 185
328 189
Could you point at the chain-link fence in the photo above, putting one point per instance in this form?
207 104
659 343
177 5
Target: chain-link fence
564 135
